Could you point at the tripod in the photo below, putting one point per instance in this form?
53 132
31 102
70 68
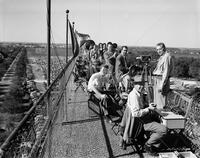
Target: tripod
147 82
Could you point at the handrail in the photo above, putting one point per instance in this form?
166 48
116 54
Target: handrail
7 142
33 152
188 107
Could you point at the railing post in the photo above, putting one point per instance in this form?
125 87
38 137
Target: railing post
65 97
49 40
49 108
67 21
49 53
73 25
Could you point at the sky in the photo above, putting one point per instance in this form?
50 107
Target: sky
125 22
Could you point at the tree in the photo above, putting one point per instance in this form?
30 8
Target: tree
181 67
194 69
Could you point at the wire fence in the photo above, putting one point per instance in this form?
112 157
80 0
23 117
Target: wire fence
29 137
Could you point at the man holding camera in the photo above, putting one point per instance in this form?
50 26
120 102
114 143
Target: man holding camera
162 75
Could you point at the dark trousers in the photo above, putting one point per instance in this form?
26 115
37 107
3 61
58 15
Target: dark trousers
106 103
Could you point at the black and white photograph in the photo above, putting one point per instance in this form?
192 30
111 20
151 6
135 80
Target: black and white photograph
99 79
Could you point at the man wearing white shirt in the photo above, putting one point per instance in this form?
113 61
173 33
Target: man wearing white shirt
97 84
136 109
162 74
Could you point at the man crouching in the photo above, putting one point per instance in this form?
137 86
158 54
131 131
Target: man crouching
97 85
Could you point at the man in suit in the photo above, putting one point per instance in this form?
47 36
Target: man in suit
107 55
121 63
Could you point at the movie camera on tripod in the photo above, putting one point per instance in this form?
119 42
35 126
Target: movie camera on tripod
144 63
144 58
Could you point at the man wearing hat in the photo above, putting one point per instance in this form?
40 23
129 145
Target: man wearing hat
136 110
126 83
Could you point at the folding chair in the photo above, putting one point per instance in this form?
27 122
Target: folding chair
116 120
138 138
94 104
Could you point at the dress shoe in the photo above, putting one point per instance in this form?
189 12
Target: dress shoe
150 150
108 119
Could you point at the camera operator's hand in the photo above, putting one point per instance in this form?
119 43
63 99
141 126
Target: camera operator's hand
152 106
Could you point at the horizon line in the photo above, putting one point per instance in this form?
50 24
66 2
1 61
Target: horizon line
71 44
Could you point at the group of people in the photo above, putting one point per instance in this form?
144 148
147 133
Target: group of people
113 68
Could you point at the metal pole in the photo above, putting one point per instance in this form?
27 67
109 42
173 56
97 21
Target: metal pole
49 42
48 54
73 24
49 71
67 21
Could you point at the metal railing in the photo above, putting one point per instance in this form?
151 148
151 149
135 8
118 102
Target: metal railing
189 107
28 138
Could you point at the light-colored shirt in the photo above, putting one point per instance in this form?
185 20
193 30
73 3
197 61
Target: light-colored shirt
98 81
135 104
164 68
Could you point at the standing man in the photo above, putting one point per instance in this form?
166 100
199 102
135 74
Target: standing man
162 74
121 63
107 55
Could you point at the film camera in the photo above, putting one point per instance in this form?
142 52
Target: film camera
144 58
